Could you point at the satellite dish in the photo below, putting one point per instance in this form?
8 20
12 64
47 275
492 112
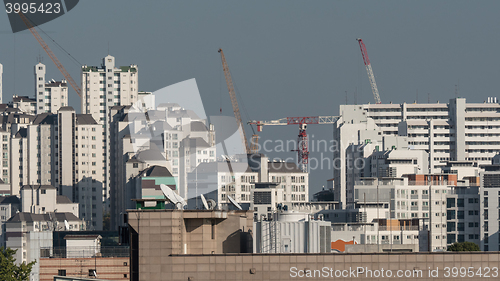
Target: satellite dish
173 197
212 205
180 200
205 204
66 224
234 203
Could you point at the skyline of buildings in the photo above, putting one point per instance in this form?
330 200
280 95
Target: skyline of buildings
416 177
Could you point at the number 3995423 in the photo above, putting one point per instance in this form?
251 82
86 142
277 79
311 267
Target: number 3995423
33 8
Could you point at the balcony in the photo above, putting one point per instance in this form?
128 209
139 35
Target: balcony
443 182
399 228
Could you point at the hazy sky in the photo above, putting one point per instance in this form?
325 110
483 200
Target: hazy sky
287 58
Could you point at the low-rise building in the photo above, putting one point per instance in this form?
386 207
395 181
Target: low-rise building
292 232
9 205
28 233
42 199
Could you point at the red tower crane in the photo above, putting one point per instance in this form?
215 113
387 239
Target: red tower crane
369 70
302 142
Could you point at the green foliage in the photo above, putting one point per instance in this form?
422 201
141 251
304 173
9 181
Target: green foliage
106 222
9 271
464 247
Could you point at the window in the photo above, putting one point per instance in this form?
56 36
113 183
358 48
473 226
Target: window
450 202
61 272
450 215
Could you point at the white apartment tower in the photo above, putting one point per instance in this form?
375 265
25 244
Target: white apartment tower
108 86
454 131
102 88
49 96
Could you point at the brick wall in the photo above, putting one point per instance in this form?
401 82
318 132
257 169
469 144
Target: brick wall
106 268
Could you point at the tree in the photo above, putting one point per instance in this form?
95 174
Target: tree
9 271
106 221
464 247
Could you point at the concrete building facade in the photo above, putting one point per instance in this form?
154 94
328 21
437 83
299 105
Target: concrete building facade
456 131
489 208
158 255
63 150
29 233
49 96
102 88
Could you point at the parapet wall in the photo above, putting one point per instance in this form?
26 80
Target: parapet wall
372 266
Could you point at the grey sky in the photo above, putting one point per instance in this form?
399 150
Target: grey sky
287 58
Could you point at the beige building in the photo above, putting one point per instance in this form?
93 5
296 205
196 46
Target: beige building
42 199
63 150
102 88
78 269
156 234
157 253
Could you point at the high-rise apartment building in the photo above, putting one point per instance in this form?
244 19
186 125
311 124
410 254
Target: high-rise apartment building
63 150
49 96
102 88
455 131
489 204
179 138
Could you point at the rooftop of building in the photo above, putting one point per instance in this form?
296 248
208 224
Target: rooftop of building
198 126
150 155
132 68
12 199
155 171
45 119
66 108
61 199
82 236
57 84
22 99
85 119
22 133
40 186
30 217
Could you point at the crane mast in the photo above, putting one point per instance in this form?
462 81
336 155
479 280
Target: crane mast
369 70
302 140
234 101
51 55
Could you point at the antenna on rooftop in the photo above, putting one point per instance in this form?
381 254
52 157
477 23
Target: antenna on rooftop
235 204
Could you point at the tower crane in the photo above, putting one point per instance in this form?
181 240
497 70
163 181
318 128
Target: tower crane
51 54
369 70
234 102
302 142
